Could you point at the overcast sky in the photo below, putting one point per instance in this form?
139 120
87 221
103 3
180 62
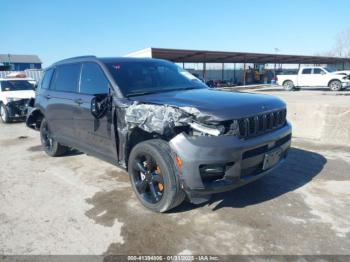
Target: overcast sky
59 29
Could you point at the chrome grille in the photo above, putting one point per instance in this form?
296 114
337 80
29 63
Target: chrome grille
261 124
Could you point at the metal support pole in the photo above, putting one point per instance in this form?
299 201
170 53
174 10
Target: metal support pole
222 71
205 72
183 65
244 75
234 72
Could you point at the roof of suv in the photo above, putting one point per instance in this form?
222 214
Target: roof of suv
103 59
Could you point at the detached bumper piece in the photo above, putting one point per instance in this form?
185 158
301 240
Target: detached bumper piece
17 109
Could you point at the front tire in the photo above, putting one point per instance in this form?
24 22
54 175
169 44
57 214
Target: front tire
288 85
335 85
4 114
49 144
153 176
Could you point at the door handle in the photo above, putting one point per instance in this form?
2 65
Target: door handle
47 96
79 101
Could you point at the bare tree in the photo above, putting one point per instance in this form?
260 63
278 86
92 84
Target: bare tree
342 44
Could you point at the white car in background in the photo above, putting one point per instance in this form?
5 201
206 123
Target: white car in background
315 77
15 94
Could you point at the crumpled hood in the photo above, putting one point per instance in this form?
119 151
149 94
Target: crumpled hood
346 72
219 105
24 94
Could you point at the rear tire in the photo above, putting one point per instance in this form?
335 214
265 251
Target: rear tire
288 85
50 145
335 85
155 155
4 114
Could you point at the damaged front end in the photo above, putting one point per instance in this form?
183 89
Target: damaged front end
216 155
17 108
168 121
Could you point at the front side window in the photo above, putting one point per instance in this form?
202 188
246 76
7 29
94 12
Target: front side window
143 77
318 71
93 80
16 85
45 82
306 71
66 78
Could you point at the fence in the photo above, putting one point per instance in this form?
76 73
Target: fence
32 73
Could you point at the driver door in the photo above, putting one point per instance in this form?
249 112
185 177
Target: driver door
94 136
320 76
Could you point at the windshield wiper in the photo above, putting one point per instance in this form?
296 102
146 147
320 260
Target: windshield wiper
190 88
160 91
141 93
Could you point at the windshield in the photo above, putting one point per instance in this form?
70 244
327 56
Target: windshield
153 76
330 69
16 85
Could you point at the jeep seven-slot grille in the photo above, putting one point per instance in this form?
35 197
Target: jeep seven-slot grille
261 124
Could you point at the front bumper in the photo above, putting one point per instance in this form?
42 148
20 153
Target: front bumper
346 83
17 109
244 159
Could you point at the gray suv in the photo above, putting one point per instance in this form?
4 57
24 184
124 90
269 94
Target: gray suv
176 137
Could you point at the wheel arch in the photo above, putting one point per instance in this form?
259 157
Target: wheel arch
34 119
333 79
135 137
288 80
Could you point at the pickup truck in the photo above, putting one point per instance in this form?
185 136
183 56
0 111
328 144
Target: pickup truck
315 77
176 137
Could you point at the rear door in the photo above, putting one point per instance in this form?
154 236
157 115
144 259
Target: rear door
61 102
93 135
305 77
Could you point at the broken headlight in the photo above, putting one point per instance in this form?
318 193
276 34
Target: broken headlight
207 130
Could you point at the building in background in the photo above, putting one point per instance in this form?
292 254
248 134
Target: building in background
9 62
239 68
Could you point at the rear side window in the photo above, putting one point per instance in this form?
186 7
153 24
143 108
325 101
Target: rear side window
66 78
45 83
306 71
93 80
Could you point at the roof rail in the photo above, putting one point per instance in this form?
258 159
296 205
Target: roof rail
83 56
76 57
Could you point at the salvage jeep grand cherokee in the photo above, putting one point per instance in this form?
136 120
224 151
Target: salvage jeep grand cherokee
176 137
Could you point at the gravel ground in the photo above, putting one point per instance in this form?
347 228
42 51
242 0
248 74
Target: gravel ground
78 204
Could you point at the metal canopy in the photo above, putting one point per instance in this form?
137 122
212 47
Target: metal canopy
202 56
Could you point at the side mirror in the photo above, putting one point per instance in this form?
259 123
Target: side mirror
99 105
323 73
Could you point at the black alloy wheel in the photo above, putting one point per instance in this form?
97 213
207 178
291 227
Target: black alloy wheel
148 178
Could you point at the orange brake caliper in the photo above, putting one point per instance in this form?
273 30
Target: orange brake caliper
160 185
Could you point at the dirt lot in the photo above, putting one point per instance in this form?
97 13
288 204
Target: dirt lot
80 205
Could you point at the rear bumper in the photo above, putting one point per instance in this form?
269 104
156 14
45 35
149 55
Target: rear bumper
243 160
17 109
